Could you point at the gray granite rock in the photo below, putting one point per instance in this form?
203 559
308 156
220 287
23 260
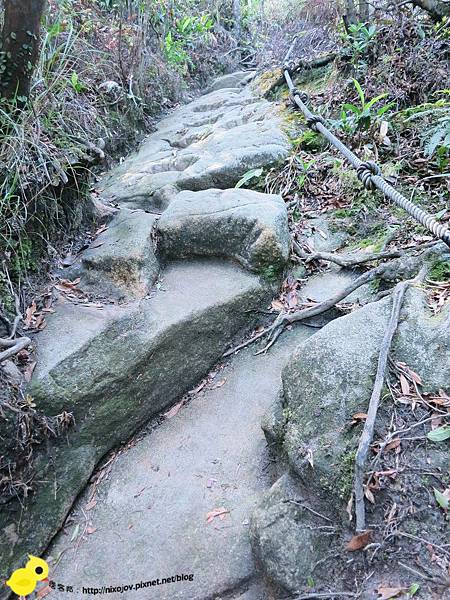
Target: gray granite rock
116 368
121 262
247 226
210 143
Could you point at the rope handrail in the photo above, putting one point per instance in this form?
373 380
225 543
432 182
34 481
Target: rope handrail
369 173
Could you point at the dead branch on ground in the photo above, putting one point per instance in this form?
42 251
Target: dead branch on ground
302 65
346 260
13 346
398 268
369 425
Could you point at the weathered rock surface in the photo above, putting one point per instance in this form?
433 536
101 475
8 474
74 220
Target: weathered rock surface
209 143
331 377
116 368
328 379
121 262
211 454
288 538
231 80
247 226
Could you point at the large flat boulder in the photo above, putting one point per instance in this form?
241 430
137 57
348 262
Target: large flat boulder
121 262
116 368
211 454
247 226
210 143
331 376
328 379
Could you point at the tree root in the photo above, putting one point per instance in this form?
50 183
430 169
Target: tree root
369 425
346 260
13 347
285 319
398 268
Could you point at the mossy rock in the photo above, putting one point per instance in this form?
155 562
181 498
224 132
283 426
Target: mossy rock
330 377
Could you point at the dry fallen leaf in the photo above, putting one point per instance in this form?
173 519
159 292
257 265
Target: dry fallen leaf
384 126
359 541
404 384
198 388
44 592
277 305
390 592
369 495
29 313
101 229
174 410
90 505
28 372
359 416
219 384
392 445
90 529
217 512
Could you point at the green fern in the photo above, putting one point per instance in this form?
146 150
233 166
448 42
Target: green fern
435 119
438 137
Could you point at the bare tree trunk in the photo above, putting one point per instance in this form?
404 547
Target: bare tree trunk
19 46
237 17
363 11
350 15
437 8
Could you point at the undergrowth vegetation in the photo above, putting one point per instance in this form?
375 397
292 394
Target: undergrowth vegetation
106 69
386 95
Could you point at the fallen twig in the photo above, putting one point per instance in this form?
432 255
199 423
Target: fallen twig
319 595
369 425
311 510
302 65
346 260
13 346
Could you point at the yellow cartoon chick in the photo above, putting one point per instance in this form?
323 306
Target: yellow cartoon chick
23 581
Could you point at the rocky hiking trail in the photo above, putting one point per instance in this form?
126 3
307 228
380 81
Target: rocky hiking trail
166 469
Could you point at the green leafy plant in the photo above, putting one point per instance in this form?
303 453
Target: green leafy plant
442 29
179 40
248 176
435 118
440 434
357 41
305 166
441 499
361 117
174 50
440 271
76 83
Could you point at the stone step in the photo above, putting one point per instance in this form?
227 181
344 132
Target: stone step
250 227
153 509
121 263
116 368
209 143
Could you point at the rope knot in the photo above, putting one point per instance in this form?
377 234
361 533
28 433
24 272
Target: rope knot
365 171
313 120
302 95
288 66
